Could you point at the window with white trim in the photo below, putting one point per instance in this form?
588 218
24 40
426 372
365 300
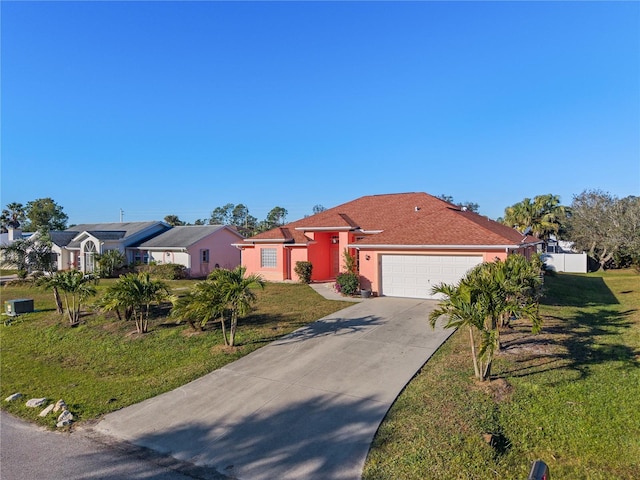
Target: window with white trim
268 257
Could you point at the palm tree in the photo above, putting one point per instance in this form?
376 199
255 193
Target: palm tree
135 293
460 312
202 304
236 293
482 299
543 215
16 255
110 261
76 288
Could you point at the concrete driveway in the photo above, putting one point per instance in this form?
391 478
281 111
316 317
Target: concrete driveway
306 406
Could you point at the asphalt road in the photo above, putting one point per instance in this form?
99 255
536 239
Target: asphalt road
29 452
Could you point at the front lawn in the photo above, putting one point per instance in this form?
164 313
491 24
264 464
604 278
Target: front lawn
103 365
569 396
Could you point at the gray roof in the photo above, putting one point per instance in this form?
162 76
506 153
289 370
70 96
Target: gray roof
129 228
182 237
111 231
62 238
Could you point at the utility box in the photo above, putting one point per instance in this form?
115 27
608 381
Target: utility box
18 306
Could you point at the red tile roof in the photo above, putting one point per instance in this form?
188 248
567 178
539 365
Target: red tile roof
410 219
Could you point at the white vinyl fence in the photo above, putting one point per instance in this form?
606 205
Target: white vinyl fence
566 262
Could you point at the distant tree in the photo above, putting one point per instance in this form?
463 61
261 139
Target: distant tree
45 213
199 221
606 227
173 220
318 209
221 215
543 216
471 206
12 216
275 218
246 224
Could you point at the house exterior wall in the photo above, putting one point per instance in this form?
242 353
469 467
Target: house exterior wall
169 256
64 258
251 257
221 253
297 254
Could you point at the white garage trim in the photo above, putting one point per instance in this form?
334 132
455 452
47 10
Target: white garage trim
414 275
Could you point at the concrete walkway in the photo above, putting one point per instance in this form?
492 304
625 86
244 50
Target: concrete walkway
306 406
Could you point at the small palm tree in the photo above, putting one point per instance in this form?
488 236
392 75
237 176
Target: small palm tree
76 288
460 312
135 293
202 304
109 261
236 293
481 300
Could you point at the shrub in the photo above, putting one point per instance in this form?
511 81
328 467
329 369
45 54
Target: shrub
303 270
165 271
347 283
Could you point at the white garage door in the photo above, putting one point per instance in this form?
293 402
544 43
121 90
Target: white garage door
414 275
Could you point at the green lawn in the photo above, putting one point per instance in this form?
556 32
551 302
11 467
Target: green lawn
569 396
103 365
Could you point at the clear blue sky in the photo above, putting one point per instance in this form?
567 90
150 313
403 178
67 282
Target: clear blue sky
176 108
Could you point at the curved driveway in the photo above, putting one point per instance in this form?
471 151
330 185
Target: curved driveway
306 406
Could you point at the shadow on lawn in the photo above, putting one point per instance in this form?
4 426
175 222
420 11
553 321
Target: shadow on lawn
577 291
578 342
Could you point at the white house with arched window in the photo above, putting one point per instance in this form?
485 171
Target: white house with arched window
78 246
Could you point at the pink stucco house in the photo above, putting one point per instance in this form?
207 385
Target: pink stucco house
403 244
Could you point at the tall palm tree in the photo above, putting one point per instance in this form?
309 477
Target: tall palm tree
236 293
76 288
543 215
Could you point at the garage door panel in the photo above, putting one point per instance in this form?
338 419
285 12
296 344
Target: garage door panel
415 275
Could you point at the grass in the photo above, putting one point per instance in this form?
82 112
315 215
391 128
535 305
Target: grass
569 396
103 365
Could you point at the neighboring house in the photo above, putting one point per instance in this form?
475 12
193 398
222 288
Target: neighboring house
200 248
77 246
404 244
11 235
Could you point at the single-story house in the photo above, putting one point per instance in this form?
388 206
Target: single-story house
403 244
198 248
77 246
